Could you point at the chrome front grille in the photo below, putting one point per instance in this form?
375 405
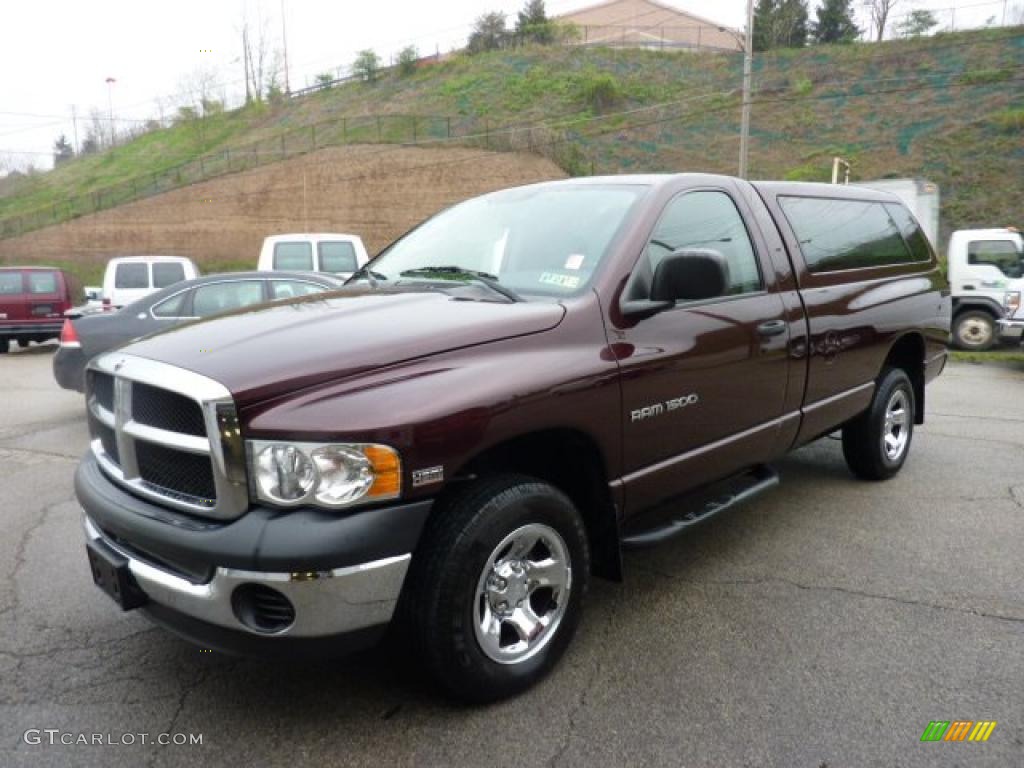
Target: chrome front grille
167 434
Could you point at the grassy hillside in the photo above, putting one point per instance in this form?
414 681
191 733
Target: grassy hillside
949 108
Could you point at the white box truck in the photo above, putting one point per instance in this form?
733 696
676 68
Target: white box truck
986 276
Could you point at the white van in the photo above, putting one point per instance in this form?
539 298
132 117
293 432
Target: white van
323 252
129 278
986 275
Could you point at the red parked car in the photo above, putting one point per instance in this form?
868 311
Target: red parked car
32 303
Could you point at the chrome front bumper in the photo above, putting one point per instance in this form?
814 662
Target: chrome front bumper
1010 328
326 603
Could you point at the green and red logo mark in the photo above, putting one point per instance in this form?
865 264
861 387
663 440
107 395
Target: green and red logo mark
958 730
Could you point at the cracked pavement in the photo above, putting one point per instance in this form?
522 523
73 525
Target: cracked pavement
824 624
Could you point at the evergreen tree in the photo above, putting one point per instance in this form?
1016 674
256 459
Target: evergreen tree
835 23
791 23
489 33
532 23
780 24
764 13
62 150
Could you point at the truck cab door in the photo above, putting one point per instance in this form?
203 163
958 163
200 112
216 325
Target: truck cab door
703 383
994 265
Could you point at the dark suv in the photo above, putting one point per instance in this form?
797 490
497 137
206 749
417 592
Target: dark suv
32 303
500 401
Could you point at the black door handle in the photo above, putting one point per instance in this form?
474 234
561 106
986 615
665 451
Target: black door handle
772 328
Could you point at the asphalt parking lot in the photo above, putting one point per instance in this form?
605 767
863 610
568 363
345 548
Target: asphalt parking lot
823 625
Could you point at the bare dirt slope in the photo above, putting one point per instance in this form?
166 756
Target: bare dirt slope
373 191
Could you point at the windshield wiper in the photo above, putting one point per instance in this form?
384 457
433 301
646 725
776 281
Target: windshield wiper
491 281
369 274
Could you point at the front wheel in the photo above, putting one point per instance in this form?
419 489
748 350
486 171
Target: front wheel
876 443
3 346
495 590
974 330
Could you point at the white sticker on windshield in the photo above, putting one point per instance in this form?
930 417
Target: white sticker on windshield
562 281
575 261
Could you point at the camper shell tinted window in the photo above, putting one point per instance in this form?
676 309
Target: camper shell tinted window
850 234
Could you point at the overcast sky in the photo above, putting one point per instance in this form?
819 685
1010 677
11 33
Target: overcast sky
59 53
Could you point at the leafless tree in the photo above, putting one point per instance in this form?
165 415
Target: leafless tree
880 11
257 53
199 89
98 135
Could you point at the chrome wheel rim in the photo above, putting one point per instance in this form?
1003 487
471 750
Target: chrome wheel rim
975 332
896 432
522 594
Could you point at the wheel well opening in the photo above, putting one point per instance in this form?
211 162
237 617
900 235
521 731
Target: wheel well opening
963 308
908 353
572 462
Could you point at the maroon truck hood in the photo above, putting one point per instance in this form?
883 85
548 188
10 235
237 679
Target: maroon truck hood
269 350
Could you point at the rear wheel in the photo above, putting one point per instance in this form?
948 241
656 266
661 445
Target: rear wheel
495 591
23 343
974 330
3 346
877 442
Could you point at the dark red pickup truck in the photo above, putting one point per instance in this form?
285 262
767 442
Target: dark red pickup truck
498 404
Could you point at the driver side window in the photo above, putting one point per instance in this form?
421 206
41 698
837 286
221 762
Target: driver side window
707 220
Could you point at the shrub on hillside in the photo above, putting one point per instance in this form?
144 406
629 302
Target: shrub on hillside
600 91
1009 120
407 58
802 86
985 76
366 66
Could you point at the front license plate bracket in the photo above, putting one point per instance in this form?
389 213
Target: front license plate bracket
111 573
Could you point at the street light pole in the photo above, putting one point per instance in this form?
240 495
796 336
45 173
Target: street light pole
748 61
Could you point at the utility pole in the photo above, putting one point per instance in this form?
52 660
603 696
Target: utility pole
748 62
284 39
245 60
74 123
110 107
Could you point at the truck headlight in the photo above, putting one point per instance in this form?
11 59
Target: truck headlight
329 475
1012 302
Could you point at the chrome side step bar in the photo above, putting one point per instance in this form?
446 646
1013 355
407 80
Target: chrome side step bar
689 511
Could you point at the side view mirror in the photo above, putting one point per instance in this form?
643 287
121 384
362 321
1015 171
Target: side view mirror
688 274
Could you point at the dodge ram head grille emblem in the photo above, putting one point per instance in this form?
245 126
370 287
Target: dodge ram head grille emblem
657 409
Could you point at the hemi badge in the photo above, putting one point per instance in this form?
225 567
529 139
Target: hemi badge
427 476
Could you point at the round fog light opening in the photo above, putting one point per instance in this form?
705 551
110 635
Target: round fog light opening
262 609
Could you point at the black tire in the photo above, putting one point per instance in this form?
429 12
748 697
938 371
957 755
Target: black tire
974 330
864 438
23 343
441 599
3 346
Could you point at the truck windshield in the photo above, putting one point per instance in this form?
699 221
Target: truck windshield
534 240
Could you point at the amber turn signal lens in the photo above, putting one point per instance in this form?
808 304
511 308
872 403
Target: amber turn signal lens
387 471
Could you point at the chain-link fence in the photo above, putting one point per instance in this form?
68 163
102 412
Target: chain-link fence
410 130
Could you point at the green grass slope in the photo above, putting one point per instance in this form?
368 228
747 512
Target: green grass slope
949 108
